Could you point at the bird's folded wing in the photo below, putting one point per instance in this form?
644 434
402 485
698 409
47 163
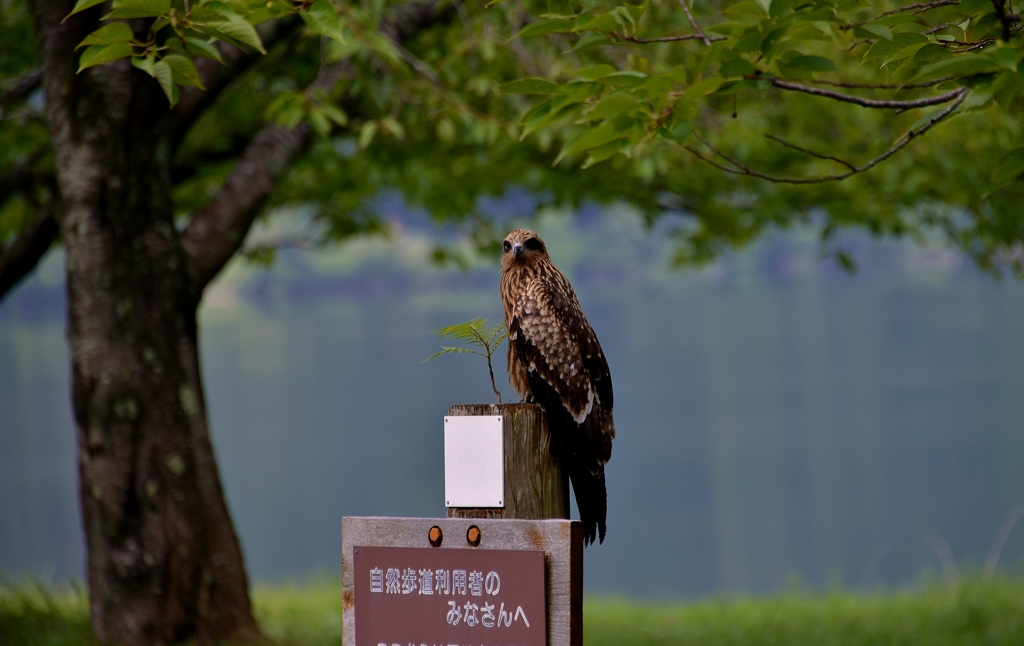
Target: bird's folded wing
553 339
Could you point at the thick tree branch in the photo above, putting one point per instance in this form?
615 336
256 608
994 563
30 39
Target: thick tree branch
218 231
866 103
20 91
739 168
21 257
216 77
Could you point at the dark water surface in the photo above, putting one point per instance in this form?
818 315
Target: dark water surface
776 417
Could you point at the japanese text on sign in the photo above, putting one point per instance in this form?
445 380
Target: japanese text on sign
429 596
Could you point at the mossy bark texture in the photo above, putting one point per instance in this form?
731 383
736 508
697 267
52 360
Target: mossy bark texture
164 562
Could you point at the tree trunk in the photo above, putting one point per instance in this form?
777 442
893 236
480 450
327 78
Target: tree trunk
164 563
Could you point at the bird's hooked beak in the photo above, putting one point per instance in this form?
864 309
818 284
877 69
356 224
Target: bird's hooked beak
517 249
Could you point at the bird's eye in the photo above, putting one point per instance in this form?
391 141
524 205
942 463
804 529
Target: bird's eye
507 246
533 244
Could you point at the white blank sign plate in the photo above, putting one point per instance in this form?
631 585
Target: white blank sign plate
474 463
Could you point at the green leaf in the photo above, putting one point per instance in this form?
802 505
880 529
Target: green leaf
322 18
200 47
577 91
165 77
602 153
930 53
878 30
892 21
82 5
971 7
599 136
320 123
1006 88
595 72
544 27
656 87
1010 167
334 113
745 9
112 34
625 78
811 64
99 54
366 134
1007 57
705 87
545 114
145 64
590 41
605 22
235 27
963 65
614 105
679 132
562 8
288 109
139 9
449 350
767 46
541 117
529 86
636 11
890 48
737 67
184 71
393 128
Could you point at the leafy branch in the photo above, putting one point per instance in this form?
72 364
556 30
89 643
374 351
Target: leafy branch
482 341
174 38
742 169
869 103
612 105
915 8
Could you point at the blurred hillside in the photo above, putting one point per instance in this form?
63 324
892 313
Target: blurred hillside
776 415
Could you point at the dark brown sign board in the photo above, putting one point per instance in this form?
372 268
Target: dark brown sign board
410 595
530 589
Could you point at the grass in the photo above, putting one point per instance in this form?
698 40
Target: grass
978 611
34 614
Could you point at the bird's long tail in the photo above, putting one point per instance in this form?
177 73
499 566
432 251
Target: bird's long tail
591 498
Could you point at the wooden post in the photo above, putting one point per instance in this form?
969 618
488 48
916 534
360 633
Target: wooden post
536 486
535 517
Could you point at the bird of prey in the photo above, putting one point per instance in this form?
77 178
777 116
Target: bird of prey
555 360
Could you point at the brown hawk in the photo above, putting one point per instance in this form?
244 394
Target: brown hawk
555 360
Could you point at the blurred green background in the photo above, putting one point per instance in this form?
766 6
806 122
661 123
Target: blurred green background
778 419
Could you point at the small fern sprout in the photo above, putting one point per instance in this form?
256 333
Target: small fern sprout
482 341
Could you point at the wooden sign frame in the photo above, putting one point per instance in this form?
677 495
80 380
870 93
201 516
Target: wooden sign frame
560 540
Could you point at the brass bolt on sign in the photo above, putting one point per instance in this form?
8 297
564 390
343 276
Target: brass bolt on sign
435 536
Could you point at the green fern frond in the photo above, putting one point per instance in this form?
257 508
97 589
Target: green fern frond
476 334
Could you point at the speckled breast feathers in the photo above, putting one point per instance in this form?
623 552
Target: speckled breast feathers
551 342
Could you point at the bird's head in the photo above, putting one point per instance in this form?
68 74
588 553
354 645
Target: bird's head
521 247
